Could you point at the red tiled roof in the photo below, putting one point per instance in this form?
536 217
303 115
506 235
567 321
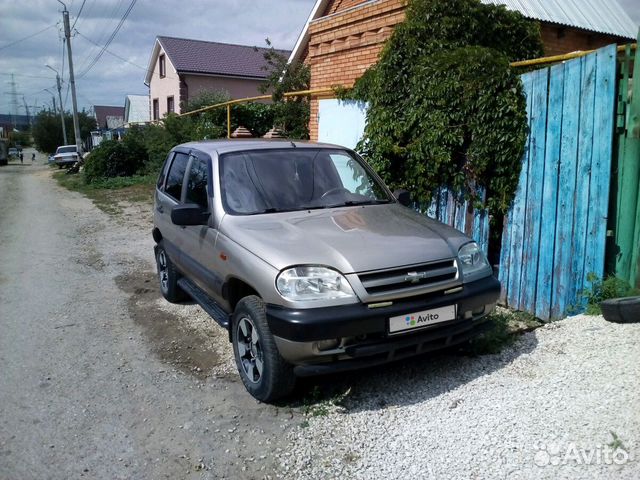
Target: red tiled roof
104 111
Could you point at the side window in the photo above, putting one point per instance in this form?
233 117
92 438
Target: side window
175 176
163 172
197 183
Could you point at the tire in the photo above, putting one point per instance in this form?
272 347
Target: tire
168 276
621 310
265 374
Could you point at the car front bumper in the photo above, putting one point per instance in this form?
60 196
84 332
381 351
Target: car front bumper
66 161
322 340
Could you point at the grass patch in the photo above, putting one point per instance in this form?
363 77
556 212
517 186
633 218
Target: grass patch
109 192
600 290
509 324
318 404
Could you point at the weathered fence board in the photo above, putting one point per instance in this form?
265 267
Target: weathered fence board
531 242
554 234
549 188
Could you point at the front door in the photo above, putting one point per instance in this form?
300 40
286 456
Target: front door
199 255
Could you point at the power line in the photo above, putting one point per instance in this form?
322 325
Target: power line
111 37
101 35
24 75
78 15
27 37
146 69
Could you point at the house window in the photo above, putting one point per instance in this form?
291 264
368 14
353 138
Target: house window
163 66
170 105
156 109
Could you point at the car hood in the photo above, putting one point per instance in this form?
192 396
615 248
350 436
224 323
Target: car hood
350 239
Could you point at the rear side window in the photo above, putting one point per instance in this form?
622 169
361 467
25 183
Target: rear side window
175 176
163 172
197 183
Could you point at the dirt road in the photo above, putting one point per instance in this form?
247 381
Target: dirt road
98 377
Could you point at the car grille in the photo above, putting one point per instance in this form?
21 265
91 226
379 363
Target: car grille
409 277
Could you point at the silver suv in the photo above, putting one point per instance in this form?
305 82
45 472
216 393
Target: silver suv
310 262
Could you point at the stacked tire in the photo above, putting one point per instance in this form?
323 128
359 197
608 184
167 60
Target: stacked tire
621 310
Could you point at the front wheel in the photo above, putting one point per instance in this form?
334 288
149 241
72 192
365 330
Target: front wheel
264 373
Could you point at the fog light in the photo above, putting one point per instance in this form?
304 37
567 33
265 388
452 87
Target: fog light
478 311
330 344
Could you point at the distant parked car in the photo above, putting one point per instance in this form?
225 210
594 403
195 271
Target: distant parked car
66 156
13 152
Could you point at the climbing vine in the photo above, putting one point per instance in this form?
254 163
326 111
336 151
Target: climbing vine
445 108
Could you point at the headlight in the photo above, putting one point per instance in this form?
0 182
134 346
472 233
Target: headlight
472 260
312 283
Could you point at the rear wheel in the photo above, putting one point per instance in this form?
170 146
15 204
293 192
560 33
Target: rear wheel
168 276
264 373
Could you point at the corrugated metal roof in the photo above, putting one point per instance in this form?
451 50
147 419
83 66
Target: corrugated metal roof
136 109
603 16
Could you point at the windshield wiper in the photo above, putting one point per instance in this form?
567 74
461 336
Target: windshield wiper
351 203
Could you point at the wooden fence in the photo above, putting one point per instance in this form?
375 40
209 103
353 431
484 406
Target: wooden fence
554 235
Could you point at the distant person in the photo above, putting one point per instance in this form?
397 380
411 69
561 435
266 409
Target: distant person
33 157
21 157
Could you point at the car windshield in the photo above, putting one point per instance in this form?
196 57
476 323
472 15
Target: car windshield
66 149
269 181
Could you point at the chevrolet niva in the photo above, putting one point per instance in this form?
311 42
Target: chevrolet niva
309 261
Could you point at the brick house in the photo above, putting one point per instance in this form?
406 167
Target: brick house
342 38
180 69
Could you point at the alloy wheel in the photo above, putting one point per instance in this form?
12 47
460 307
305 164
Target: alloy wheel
249 350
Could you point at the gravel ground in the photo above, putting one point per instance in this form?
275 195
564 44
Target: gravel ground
548 407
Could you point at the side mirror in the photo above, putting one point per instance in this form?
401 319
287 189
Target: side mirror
189 214
403 197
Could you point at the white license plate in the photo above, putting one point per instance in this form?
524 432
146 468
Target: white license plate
411 321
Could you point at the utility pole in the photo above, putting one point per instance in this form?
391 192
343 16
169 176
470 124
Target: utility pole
55 111
58 83
26 108
13 103
67 34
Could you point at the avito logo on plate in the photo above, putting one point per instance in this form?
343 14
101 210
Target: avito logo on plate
430 317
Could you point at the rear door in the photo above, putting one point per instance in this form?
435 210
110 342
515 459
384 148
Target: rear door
169 194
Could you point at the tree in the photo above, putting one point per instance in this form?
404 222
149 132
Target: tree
47 130
291 114
445 109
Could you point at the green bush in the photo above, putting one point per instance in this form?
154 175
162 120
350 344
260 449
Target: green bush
611 287
115 159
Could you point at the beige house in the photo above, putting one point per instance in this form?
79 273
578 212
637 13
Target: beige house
179 69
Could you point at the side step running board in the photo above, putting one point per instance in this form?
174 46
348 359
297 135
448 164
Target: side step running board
206 302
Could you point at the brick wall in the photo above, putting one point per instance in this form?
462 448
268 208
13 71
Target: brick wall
343 44
558 39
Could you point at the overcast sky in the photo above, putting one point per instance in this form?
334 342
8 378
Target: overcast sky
246 22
